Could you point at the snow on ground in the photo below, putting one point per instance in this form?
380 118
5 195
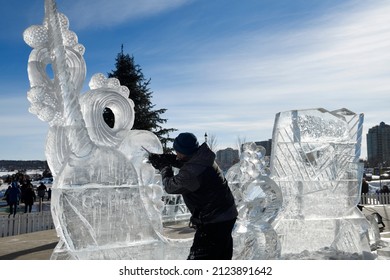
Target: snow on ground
4 186
28 172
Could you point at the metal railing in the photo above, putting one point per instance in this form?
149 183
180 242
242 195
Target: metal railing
375 198
174 208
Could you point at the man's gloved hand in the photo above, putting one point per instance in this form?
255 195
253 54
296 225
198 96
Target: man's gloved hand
166 172
155 160
159 161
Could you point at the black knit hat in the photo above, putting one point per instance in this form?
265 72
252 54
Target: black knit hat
186 143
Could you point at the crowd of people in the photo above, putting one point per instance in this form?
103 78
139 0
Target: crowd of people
23 192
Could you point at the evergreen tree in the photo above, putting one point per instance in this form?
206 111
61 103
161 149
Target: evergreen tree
146 118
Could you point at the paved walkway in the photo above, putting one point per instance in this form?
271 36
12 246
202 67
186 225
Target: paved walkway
33 246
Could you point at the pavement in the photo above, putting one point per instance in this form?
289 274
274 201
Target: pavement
32 246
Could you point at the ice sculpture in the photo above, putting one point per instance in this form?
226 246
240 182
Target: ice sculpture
315 161
258 201
175 208
106 200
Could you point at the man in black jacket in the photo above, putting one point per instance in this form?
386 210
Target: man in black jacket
206 194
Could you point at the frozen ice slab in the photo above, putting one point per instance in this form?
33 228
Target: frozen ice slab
315 161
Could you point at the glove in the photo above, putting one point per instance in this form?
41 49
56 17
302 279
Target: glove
166 172
159 161
155 160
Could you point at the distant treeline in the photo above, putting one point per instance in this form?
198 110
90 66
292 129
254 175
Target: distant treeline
11 165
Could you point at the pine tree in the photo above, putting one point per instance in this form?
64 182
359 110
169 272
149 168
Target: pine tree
146 118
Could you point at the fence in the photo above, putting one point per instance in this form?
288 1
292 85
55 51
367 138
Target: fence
375 198
174 208
25 223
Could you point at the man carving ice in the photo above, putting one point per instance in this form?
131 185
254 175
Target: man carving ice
207 195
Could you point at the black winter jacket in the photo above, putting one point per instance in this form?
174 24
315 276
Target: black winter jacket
204 189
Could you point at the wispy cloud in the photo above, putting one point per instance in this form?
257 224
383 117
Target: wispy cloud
340 60
92 13
350 52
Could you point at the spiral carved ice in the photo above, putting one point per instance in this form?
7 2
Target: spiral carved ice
258 201
315 161
106 200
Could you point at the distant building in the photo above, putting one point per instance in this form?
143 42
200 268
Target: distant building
378 145
227 158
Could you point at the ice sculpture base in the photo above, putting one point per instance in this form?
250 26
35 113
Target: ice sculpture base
172 250
255 242
143 251
332 237
113 223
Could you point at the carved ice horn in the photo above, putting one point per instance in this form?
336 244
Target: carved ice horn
77 134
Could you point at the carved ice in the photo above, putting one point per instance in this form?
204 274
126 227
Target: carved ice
258 201
106 200
315 161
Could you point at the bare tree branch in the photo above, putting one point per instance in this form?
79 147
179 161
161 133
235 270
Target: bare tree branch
240 142
212 142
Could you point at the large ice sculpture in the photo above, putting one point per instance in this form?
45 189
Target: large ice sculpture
258 201
106 200
315 161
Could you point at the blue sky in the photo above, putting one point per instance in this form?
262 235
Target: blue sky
224 67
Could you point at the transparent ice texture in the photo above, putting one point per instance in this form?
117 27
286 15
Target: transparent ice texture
175 208
315 161
374 234
258 201
106 199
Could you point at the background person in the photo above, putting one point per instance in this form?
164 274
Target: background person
13 197
41 191
29 198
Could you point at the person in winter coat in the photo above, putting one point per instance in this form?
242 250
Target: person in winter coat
13 197
29 198
207 195
41 191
